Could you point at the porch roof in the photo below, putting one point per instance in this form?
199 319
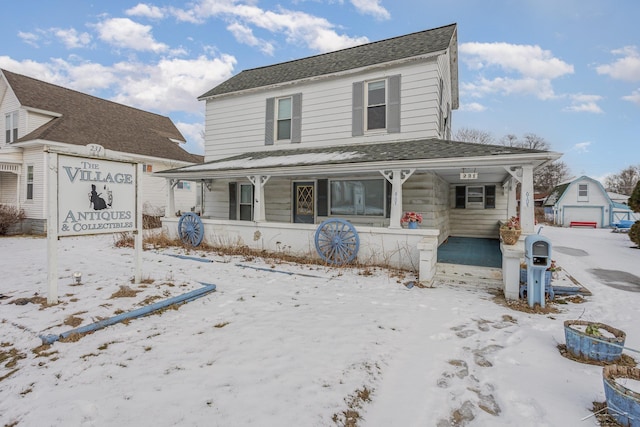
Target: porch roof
431 154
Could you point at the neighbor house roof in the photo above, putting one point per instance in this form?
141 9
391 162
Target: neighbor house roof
389 50
387 154
81 119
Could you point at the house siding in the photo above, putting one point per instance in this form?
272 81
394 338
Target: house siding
8 182
34 121
236 124
154 191
9 103
35 208
595 208
482 223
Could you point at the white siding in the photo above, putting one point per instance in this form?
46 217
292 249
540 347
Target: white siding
9 103
35 208
33 122
236 124
428 195
8 182
154 190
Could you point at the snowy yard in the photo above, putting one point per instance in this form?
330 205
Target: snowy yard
302 349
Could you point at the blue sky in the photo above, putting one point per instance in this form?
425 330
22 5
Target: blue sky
566 70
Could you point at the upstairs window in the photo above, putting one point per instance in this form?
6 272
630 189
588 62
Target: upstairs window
283 126
583 192
376 105
11 126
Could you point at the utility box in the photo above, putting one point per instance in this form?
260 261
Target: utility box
537 257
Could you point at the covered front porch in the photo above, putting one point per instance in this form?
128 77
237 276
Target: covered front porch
275 200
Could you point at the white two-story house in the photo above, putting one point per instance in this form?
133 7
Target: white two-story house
362 134
38 116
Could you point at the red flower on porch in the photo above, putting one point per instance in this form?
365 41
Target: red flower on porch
411 217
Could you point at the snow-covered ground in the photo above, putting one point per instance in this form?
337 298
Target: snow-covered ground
275 349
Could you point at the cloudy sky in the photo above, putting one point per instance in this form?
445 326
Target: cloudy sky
568 71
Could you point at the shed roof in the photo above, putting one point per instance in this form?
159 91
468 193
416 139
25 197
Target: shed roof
379 52
84 119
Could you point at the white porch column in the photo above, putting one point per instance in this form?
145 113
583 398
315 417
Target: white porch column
170 208
396 177
512 201
527 215
18 186
259 212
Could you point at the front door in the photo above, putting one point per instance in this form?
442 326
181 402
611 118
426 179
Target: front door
303 205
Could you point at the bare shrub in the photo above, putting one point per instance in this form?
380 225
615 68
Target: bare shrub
10 215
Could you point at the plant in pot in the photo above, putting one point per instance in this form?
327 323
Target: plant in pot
510 231
412 219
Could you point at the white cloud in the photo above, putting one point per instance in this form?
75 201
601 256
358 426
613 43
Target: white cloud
582 103
29 38
625 68
123 32
514 69
170 85
298 27
71 38
244 34
371 7
193 134
634 97
474 107
146 10
582 147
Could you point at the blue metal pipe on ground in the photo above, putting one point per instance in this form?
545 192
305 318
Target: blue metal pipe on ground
143 311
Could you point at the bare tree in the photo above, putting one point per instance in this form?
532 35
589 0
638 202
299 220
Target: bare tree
534 142
510 140
623 182
473 135
549 176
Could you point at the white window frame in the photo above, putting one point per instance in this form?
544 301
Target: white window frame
585 197
475 204
183 185
385 104
278 120
245 203
29 182
11 126
355 212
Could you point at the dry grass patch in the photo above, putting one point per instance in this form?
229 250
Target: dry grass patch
124 292
72 321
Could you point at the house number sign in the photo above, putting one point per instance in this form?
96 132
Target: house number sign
469 175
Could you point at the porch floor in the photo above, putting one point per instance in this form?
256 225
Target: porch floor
471 251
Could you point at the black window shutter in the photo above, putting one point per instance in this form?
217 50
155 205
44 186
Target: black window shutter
461 196
388 207
489 196
322 198
233 200
357 113
268 121
393 113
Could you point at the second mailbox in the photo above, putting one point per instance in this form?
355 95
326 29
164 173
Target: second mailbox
537 251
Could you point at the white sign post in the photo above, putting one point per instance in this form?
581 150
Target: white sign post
91 196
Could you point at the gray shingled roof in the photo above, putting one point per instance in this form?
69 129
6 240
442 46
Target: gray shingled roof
421 149
393 49
87 119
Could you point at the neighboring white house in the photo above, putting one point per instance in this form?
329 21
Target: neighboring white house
38 116
361 134
584 200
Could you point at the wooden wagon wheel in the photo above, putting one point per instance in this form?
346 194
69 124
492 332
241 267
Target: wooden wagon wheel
190 229
337 241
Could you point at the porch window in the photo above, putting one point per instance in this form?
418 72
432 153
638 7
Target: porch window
182 185
246 202
11 127
583 192
357 197
475 197
29 182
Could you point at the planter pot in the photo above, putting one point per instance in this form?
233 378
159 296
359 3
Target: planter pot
585 346
509 237
623 404
412 225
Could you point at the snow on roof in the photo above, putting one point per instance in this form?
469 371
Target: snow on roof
272 161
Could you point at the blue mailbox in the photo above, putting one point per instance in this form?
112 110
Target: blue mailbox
537 256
